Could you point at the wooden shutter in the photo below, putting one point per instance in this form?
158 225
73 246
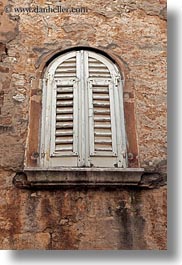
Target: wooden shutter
83 120
102 131
106 117
61 136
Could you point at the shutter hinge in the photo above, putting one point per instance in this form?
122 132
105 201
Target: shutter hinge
42 155
43 82
122 82
124 154
116 79
34 156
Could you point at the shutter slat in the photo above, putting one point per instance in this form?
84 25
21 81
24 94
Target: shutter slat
102 126
66 70
64 125
65 89
63 141
103 149
64 104
62 149
63 75
101 105
100 91
64 96
99 75
64 110
92 60
66 65
96 65
104 134
64 133
99 70
101 97
102 119
103 141
101 111
64 118
71 60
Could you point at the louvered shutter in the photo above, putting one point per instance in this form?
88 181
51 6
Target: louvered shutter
101 114
106 116
83 120
61 145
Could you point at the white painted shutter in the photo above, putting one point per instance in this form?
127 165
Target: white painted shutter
83 120
102 133
61 142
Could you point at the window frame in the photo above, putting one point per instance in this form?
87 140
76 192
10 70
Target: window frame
32 150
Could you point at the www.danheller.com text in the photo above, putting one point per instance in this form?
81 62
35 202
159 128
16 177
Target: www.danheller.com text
47 9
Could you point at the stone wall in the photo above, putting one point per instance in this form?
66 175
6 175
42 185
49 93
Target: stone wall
133 32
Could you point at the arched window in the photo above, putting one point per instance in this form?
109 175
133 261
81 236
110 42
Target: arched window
82 113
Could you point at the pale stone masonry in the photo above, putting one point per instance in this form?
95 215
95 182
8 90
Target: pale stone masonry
134 34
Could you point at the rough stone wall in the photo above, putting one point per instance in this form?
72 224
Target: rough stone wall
82 218
135 32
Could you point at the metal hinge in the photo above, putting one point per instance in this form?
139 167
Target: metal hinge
116 79
124 154
34 156
42 155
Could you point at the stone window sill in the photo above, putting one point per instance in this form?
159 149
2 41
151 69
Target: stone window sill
91 177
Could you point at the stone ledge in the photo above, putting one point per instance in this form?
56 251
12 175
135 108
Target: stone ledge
91 177
82 169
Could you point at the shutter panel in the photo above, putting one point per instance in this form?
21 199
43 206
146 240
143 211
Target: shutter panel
64 127
103 113
63 110
102 122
